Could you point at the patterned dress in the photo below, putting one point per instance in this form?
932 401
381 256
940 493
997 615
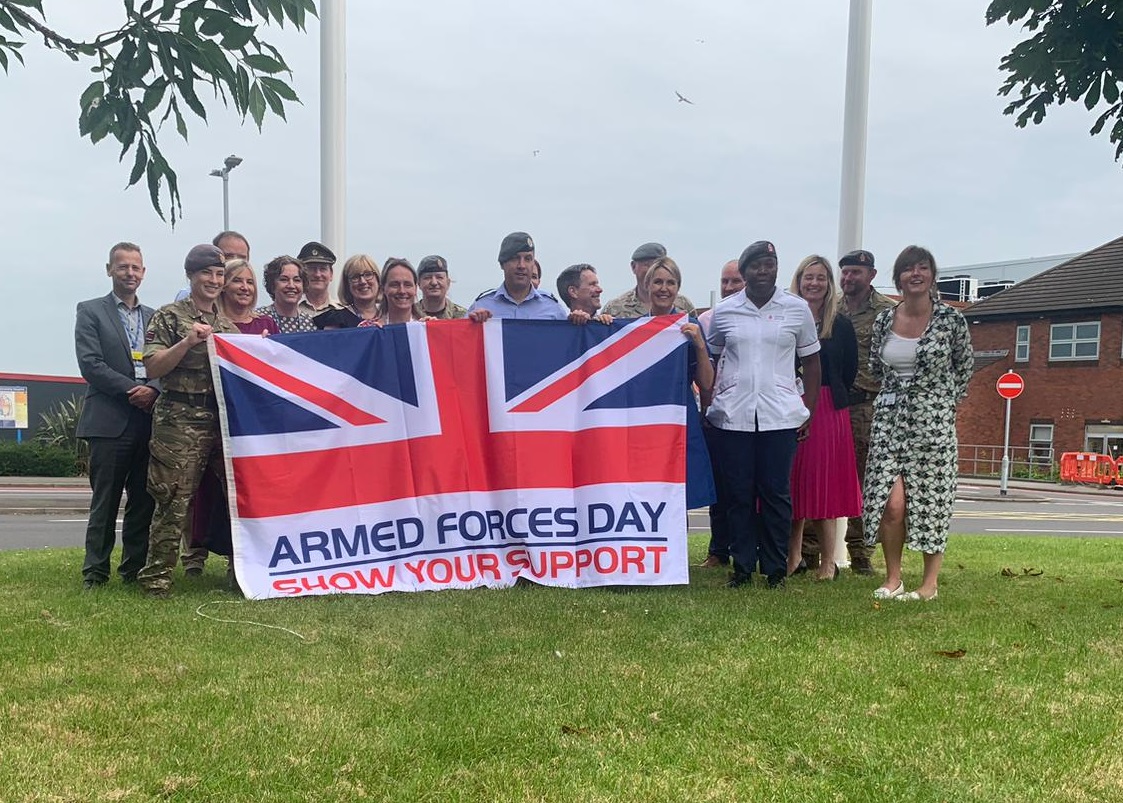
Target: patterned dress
913 433
288 325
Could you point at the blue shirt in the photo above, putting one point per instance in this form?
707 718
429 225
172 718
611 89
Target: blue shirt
537 306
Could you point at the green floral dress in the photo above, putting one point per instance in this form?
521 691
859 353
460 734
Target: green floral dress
913 432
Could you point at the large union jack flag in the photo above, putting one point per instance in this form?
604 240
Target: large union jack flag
359 460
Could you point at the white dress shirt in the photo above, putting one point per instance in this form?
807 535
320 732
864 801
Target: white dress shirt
755 389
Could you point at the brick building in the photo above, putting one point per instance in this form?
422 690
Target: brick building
1062 331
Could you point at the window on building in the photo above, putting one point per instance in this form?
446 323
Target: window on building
1021 344
1074 341
1041 444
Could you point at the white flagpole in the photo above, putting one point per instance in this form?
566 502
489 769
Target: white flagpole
852 202
333 125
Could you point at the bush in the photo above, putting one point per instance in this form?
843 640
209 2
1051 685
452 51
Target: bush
37 460
58 428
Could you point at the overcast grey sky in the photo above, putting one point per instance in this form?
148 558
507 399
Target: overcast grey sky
448 102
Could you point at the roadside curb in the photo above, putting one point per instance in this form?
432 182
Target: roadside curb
44 511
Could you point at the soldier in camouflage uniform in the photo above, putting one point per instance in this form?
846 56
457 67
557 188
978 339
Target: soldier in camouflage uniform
635 303
861 303
185 435
432 275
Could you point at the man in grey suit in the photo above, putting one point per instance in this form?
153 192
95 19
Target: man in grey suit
116 417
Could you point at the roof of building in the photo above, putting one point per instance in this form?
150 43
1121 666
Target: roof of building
1092 280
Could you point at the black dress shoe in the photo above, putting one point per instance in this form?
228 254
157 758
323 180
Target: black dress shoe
801 568
193 571
776 581
739 580
128 579
90 583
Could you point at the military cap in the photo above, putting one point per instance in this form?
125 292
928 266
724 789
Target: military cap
432 264
316 252
202 257
859 257
336 318
514 244
649 251
759 249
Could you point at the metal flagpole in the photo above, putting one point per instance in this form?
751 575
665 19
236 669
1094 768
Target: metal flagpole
333 125
852 201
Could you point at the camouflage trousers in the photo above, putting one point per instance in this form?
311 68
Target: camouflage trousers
185 442
861 419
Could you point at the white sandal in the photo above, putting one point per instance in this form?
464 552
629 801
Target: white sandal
889 593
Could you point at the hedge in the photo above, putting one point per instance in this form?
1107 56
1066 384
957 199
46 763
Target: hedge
36 460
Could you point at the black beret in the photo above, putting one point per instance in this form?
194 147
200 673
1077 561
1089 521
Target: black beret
856 257
316 252
336 318
432 264
761 248
649 251
202 257
514 244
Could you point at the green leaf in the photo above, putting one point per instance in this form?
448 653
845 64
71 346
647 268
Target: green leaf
138 165
263 63
214 23
1110 89
153 175
276 105
94 92
6 21
257 105
3 59
242 91
154 94
180 124
278 11
236 36
1093 96
280 87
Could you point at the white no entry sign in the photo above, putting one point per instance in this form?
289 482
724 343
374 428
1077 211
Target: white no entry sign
1010 385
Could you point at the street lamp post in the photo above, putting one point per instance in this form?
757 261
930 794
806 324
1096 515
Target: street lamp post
230 162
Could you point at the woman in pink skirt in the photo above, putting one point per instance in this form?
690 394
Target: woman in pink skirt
824 481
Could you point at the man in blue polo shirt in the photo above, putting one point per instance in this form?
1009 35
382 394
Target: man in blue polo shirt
517 297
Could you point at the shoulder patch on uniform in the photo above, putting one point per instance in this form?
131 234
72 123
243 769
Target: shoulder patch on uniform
550 296
486 293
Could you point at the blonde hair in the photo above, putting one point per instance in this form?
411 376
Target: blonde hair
830 302
667 264
235 267
356 264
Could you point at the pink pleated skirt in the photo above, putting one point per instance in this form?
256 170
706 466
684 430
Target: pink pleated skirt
825 481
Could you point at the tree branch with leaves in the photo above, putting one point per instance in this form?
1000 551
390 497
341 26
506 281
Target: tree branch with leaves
1075 53
152 69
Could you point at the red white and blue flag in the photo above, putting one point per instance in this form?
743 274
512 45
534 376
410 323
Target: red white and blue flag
450 454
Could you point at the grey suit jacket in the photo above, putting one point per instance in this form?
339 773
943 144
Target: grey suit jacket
106 363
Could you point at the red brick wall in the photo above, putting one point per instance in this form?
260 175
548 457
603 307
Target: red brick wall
1067 394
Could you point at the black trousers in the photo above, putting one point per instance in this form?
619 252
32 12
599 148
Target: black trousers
757 470
118 464
719 510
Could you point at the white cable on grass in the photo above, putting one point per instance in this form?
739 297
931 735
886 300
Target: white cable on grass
199 612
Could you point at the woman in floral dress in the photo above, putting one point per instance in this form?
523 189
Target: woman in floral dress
921 353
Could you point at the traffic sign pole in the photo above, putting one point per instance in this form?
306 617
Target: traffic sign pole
1009 386
1005 454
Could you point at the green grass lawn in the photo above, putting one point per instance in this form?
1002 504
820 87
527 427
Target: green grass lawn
691 693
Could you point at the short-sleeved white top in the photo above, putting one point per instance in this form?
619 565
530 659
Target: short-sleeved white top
755 388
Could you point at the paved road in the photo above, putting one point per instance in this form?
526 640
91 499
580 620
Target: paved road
978 510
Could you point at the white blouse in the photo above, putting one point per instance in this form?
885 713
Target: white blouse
900 353
755 388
